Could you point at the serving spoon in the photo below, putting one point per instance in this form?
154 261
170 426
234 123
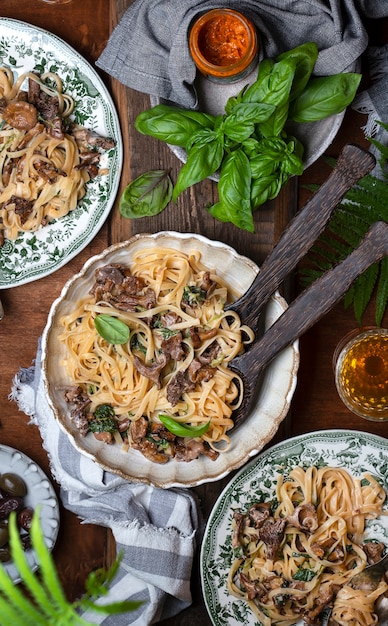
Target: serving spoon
367 580
353 163
309 307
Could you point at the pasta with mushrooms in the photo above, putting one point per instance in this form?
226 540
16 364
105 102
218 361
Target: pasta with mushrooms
296 555
45 159
161 372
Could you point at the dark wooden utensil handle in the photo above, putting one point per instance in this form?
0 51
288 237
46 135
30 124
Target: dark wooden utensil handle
353 163
313 303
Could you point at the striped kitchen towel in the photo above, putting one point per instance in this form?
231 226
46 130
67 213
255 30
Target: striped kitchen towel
154 529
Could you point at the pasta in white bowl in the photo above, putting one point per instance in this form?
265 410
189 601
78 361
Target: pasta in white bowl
138 379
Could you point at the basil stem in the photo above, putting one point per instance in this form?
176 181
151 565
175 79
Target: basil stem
111 329
183 430
148 194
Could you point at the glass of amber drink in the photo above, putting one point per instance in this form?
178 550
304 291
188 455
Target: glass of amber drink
360 364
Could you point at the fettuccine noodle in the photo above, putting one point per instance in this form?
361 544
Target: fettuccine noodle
319 517
42 177
109 374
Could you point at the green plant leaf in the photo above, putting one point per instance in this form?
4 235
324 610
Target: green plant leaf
234 188
32 583
305 57
49 606
111 329
172 124
364 204
183 430
147 195
382 292
203 160
324 96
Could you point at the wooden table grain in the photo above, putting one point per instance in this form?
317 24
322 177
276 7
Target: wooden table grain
86 25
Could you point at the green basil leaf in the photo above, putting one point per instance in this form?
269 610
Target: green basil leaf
305 57
234 189
183 430
275 87
111 329
292 164
239 125
172 124
266 188
273 126
205 135
147 195
202 161
263 165
250 147
255 91
250 112
324 96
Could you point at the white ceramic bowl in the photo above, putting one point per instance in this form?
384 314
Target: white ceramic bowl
276 390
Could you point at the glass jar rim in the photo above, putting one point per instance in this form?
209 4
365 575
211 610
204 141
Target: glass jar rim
222 70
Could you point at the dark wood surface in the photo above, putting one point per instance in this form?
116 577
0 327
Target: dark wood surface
86 26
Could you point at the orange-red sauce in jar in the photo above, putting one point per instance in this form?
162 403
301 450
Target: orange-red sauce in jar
223 44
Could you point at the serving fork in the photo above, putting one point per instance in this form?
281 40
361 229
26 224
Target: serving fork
320 297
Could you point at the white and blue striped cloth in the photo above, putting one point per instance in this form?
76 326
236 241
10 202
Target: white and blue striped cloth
155 529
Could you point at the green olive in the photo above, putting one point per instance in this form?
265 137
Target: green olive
13 484
4 534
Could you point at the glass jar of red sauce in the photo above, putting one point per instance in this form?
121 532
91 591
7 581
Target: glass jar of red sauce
224 45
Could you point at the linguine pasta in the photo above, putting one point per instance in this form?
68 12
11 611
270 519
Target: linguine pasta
43 165
175 361
296 555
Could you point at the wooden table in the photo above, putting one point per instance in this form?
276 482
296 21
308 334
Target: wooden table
86 26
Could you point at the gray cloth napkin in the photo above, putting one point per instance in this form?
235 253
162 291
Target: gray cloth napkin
148 49
155 529
374 102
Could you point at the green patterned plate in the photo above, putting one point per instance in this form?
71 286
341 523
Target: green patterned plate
33 255
358 452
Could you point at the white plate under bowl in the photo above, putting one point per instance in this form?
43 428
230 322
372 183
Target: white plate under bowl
276 390
39 492
24 47
357 452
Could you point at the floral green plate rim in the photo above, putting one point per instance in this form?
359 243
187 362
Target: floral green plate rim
32 256
355 451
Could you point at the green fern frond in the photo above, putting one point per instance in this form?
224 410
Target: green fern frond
364 204
49 606
382 292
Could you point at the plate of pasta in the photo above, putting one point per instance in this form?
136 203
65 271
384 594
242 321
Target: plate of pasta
144 387
291 529
61 153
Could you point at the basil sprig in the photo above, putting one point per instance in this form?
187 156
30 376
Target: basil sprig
183 430
249 144
111 329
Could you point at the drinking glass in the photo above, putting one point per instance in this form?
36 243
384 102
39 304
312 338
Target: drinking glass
360 365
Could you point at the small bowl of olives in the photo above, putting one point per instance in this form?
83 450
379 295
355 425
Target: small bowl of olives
23 487
13 491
